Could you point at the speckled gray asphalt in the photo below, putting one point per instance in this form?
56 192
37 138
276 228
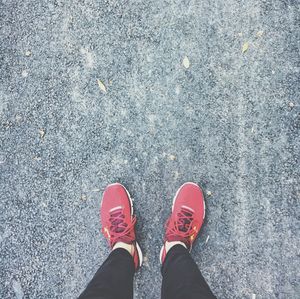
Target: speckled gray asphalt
94 92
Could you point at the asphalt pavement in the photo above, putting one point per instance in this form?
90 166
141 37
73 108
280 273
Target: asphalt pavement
150 94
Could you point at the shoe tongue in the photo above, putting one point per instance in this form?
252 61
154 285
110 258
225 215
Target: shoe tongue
117 218
184 222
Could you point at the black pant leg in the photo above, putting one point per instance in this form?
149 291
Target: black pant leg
182 278
114 279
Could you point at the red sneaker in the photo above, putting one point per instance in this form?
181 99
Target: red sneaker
187 216
118 221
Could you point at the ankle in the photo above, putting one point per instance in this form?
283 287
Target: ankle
169 245
128 247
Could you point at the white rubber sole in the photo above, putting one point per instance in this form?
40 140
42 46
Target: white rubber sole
161 253
138 248
140 253
174 199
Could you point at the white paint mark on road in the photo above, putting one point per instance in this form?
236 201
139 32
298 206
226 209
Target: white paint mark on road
89 57
16 285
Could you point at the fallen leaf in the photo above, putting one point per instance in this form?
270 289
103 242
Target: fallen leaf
24 73
245 47
83 197
42 133
259 33
186 62
291 104
172 157
101 85
28 53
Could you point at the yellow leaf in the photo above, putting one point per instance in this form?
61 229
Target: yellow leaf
259 33
101 85
186 62
172 157
245 47
42 133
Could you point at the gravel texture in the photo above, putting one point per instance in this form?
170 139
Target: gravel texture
150 94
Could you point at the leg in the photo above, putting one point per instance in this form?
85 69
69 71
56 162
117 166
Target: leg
114 279
181 277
